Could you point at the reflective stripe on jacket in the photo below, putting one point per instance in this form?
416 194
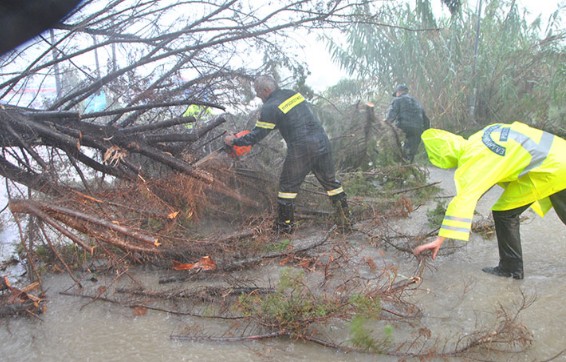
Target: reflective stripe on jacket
528 163
289 112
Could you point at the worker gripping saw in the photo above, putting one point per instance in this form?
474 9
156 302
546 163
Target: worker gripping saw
234 152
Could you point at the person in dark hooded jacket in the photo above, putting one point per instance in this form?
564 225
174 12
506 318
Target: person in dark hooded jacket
407 114
308 149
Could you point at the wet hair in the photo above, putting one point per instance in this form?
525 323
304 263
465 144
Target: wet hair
265 82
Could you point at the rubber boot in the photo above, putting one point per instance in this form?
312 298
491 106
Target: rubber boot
507 229
285 222
342 216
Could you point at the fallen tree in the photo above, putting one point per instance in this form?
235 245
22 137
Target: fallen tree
66 132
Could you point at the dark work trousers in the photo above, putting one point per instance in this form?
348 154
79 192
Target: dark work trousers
412 142
559 203
298 164
507 229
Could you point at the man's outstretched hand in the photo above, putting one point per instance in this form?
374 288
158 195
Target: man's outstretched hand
229 140
433 246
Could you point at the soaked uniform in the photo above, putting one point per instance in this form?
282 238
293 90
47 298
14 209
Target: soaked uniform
530 165
308 147
406 113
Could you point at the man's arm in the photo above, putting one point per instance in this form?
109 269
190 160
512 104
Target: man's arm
264 125
256 135
392 112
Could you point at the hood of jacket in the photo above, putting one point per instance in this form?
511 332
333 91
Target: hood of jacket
442 147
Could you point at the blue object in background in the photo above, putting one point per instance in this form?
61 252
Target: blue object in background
95 103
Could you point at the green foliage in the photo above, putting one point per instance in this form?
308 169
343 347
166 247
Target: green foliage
359 140
388 331
361 336
44 253
70 253
348 92
436 215
279 246
155 224
366 306
453 5
359 184
292 307
516 74
385 179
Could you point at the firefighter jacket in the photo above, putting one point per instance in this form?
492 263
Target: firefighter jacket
289 112
407 113
528 163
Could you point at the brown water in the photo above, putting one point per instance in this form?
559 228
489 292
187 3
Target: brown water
74 330
460 297
456 299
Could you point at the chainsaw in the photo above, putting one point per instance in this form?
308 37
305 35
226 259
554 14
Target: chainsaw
234 152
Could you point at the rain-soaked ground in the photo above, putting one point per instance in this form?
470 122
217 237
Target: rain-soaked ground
456 298
460 297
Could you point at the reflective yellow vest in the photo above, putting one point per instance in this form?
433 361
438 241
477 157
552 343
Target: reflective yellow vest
197 112
528 163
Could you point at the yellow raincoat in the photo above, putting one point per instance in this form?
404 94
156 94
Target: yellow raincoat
197 112
528 163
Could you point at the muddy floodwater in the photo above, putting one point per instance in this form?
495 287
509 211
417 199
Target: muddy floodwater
456 298
459 296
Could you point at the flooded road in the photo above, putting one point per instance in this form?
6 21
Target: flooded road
456 298
73 329
461 297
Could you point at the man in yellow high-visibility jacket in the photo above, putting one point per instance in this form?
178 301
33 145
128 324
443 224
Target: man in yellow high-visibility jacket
196 111
530 164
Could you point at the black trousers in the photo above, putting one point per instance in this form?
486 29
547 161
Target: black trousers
412 142
507 229
298 164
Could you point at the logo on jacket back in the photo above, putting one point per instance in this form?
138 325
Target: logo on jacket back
291 102
490 143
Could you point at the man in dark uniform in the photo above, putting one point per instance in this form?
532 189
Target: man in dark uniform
308 149
406 113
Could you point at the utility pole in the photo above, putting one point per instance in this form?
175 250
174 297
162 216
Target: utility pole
56 70
473 96
96 57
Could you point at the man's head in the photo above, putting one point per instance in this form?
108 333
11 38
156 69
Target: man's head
400 89
264 85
